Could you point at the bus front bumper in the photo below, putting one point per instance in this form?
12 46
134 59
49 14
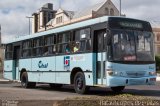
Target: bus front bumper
113 81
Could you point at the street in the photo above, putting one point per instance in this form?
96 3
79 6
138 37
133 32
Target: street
14 91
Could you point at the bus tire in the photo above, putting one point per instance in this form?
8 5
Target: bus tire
79 83
25 83
118 89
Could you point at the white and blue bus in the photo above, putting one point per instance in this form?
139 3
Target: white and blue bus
107 51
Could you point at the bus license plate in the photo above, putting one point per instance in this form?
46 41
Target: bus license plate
136 82
152 79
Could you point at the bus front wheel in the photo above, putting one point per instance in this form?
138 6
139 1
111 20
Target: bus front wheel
118 89
25 83
79 83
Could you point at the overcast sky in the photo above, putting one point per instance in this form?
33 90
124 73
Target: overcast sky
13 12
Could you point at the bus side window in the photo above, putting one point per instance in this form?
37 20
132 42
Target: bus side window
37 47
63 44
82 41
88 45
26 49
67 48
9 51
75 47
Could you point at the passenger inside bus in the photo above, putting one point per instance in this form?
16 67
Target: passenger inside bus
76 47
67 48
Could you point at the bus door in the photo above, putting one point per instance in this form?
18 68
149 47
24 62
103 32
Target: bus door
16 56
99 46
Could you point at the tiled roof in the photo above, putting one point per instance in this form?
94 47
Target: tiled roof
69 13
89 10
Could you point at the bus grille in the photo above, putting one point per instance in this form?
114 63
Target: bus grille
136 74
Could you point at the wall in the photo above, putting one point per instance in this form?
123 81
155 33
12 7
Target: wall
1 58
156 32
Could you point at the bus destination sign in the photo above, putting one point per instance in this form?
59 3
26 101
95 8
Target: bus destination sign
131 24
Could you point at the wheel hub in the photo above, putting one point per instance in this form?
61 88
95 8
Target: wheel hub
79 83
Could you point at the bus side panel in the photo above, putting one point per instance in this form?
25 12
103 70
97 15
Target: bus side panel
62 73
85 62
65 64
43 70
8 69
25 64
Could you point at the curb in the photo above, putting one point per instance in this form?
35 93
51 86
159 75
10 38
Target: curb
6 81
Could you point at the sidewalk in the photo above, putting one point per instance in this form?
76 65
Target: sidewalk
2 80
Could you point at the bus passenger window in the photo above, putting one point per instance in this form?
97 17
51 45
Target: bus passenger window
88 45
75 47
46 52
67 49
82 46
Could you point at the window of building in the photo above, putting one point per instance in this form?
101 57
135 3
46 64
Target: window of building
9 51
26 48
111 12
59 20
106 11
81 40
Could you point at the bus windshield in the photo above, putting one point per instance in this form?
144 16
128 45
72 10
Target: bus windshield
132 45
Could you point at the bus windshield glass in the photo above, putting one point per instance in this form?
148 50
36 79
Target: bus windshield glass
132 45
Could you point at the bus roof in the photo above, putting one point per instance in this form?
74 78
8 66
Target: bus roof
63 28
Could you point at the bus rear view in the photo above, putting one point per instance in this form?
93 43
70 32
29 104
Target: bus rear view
130 53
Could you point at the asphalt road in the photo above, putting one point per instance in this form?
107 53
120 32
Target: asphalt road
14 91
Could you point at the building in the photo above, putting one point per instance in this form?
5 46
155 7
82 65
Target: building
156 31
42 17
1 53
61 16
1 58
97 10
64 17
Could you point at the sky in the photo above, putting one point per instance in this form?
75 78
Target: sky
13 12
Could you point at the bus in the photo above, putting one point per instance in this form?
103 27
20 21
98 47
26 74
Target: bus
107 51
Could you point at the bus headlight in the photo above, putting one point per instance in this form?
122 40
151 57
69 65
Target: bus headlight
153 73
112 73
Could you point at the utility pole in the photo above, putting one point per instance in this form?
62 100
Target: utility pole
29 18
59 3
120 7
